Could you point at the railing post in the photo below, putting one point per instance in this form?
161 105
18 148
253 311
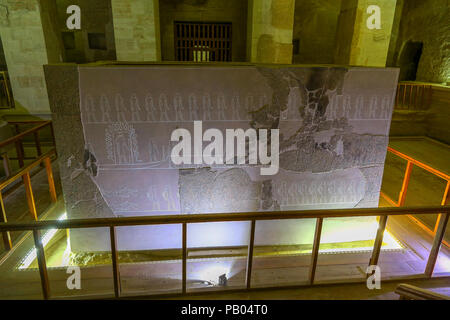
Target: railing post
115 261
51 181
251 245
6 164
53 137
315 250
42 264
445 200
184 258
402 195
439 232
20 153
404 95
30 198
437 242
38 143
7 243
378 241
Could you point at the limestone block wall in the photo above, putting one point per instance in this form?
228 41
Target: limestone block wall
96 17
355 43
136 30
113 126
269 31
427 21
315 23
25 53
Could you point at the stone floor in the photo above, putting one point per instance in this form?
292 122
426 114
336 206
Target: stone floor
357 291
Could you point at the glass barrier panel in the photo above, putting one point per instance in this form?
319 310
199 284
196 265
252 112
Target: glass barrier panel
282 253
78 262
17 282
217 255
346 246
412 247
150 259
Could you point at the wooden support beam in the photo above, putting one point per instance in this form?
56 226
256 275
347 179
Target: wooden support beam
115 261
184 258
315 250
251 245
7 243
437 242
30 198
378 241
42 264
402 195
409 292
445 201
51 181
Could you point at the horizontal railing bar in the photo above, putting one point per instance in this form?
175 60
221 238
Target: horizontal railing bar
26 169
420 164
22 134
219 217
416 293
26 121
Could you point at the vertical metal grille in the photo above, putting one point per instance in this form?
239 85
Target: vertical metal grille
197 41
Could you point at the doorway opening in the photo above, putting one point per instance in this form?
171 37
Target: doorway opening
202 42
409 60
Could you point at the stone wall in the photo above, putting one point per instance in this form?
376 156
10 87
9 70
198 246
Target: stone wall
136 30
234 11
427 21
315 24
96 18
25 52
439 114
269 31
113 127
356 44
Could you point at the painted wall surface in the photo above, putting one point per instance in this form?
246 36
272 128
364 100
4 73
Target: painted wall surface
113 126
234 11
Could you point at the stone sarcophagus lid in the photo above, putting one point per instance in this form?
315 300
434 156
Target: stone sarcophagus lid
114 126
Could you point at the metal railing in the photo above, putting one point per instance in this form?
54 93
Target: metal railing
252 217
17 140
24 171
402 195
413 96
